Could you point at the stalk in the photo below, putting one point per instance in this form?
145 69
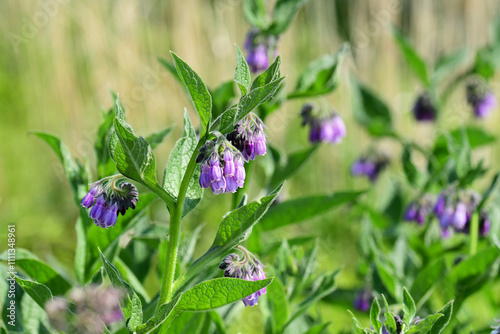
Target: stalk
474 233
166 292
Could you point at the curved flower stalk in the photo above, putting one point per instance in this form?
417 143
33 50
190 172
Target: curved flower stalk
222 159
247 268
109 197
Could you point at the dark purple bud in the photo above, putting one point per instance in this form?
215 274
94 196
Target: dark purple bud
363 300
424 110
88 201
98 209
411 212
257 58
205 176
440 205
484 224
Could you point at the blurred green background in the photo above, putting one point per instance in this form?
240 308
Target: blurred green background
57 69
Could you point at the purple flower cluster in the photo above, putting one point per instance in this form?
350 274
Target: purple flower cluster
248 268
454 211
259 47
424 110
222 159
363 300
90 309
480 97
106 198
370 166
327 127
223 175
249 137
418 211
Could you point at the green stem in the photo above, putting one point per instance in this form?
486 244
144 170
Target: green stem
474 233
166 292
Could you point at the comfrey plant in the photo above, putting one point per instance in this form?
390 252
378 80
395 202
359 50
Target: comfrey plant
324 126
383 320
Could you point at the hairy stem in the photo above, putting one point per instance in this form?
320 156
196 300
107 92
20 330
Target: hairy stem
166 292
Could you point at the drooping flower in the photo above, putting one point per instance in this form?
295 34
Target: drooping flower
481 98
419 210
108 197
454 209
363 300
260 48
221 167
424 109
324 126
248 268
249 137
370 165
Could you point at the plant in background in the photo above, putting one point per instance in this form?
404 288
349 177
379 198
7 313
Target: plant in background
480 98
424 109
324 126
370 165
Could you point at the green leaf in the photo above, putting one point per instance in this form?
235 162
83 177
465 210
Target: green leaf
222 97
390 323
427 278
442 322
235 228
292 165
413 175
218 292
197 91
320 77
157 138
283 13
413 60
297 210
128 276
318 329
487 61
105 164
177 165
255 13
425 325
357 324
204 296
278 303
256 97
471 268
39 292
370 111
226 120
271 74
184 323
374 313
326 284
169 66
242 72
74 171
41 273
134 157
132 308
448 64
409 307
